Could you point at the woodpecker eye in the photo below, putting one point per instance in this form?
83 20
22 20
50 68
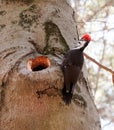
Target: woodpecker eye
38 63
79 42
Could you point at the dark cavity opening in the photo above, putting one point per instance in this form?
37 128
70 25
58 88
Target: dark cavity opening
38 63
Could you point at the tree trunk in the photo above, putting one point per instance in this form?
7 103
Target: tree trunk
32 99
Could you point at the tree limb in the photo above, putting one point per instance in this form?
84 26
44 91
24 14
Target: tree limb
100 65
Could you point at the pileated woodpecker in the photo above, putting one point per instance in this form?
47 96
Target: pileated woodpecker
71 66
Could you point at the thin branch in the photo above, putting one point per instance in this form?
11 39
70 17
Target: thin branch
100 65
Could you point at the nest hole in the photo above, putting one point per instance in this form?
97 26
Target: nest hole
38 63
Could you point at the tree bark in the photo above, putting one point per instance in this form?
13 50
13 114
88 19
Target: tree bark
32 100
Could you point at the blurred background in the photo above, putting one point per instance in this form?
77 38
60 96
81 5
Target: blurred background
96 17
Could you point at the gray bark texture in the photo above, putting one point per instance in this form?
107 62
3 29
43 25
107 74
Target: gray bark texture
32 100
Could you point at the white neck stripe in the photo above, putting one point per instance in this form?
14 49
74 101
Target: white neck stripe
82 44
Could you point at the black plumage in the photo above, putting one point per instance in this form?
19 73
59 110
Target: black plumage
71 67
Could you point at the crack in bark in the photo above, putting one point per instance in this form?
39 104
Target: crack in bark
51 91
73 16
83 80
36 46
2 97
79 100
8 52
16 1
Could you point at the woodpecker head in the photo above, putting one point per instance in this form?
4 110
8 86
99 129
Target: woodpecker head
84 41
86 38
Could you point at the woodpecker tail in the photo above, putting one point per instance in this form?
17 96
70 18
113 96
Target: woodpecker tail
67 97
67 94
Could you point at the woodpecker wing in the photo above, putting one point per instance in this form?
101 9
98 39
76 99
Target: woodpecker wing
71 74
71 66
